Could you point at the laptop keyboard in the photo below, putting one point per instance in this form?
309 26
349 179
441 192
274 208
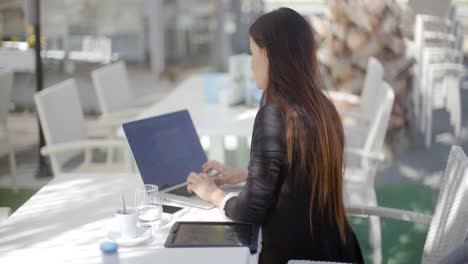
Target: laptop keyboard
181 191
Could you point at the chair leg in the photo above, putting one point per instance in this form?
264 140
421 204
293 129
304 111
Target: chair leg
422 113
375 232
428 139
455 113
375 238
12 160
415 94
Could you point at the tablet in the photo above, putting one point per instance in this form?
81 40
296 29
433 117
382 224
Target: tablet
213 234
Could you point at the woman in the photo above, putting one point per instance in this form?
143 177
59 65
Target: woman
294 180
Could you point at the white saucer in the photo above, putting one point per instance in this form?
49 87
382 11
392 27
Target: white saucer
142 235
164 222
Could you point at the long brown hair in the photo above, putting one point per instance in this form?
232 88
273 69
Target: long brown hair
314 131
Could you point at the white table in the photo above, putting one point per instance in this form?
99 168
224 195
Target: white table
210 119
66 221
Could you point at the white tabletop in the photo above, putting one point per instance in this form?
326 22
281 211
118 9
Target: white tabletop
66 221
210 119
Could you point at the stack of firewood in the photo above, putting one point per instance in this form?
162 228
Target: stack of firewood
355 30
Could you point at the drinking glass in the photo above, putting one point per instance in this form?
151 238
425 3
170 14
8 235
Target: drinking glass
148 202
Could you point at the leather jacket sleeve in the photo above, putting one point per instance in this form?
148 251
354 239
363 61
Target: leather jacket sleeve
268 152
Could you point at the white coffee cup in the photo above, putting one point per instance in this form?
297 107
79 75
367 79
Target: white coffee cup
127 223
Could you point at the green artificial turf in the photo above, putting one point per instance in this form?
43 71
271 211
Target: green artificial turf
14 199
402 242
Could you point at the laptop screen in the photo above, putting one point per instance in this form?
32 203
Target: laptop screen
166 148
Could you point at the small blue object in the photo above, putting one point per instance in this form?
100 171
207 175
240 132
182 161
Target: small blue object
109 248
213 83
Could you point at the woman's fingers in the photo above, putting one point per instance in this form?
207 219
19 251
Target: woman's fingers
201 184
219 180
211 165
195 179
208 168
190 177
192 180
206 164
203 176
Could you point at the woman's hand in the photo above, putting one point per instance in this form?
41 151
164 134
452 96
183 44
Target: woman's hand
204 187
227 174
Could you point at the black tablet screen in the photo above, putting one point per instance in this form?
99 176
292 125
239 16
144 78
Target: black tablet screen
216 235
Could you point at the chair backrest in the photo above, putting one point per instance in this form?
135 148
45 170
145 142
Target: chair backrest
450 220
6 84
112 88
61 118
434 32
372 83
433 26
99 49
439 8
380 120
433 56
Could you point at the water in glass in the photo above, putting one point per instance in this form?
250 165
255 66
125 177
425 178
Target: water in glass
148 202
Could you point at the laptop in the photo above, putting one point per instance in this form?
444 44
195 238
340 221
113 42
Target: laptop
166 149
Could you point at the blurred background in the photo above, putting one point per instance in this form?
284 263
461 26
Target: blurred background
164 42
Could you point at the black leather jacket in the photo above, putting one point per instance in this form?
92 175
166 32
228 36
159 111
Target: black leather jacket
270 200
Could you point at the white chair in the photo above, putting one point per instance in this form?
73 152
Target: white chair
448 225
459 255
447 48
63 124
436 8
451 75
370 91
432 57
361 165
430 32
115 96
94 50
426 91
6 84
99 49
